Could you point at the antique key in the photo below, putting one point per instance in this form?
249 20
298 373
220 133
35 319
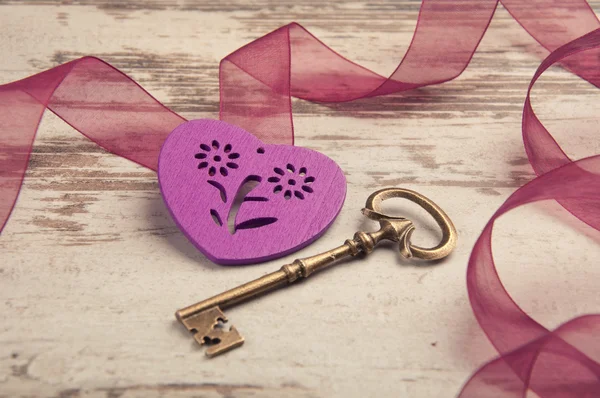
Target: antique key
204 319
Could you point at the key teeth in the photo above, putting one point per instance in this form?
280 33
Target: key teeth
218 340
228 341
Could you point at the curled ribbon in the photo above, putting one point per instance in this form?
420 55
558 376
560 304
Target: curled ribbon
256 85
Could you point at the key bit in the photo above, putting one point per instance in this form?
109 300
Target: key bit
205 327
202 319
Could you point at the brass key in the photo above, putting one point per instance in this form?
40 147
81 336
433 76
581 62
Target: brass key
204 319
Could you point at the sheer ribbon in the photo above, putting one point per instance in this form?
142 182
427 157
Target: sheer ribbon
256 85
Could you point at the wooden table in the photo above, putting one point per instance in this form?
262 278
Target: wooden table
92 267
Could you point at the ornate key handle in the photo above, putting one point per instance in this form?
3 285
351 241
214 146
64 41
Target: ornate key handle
204 319
396 229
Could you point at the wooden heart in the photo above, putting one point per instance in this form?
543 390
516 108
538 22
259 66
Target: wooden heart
287 195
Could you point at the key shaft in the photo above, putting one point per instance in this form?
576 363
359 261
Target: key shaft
301 268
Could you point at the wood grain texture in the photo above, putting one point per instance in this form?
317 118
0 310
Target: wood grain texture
92 266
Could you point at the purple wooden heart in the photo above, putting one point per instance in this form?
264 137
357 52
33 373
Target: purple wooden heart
204 165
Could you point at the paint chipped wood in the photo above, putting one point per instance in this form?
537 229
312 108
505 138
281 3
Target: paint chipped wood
92 267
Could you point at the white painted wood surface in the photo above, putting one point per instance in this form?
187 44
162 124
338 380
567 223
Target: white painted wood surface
92 267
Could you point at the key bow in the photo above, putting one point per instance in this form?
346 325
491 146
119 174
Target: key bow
399 229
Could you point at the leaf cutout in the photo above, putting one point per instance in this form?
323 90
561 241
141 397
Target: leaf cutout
216 218
248 185
221 189
255 199
256 223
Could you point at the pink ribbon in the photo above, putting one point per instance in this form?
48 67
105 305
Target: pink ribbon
257 83
562 362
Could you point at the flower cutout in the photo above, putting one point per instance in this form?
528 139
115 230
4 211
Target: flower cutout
298 183
215 159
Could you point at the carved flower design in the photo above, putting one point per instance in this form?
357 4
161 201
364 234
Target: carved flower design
292 183
214 158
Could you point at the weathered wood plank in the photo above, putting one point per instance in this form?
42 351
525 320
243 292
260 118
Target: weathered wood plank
92 267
